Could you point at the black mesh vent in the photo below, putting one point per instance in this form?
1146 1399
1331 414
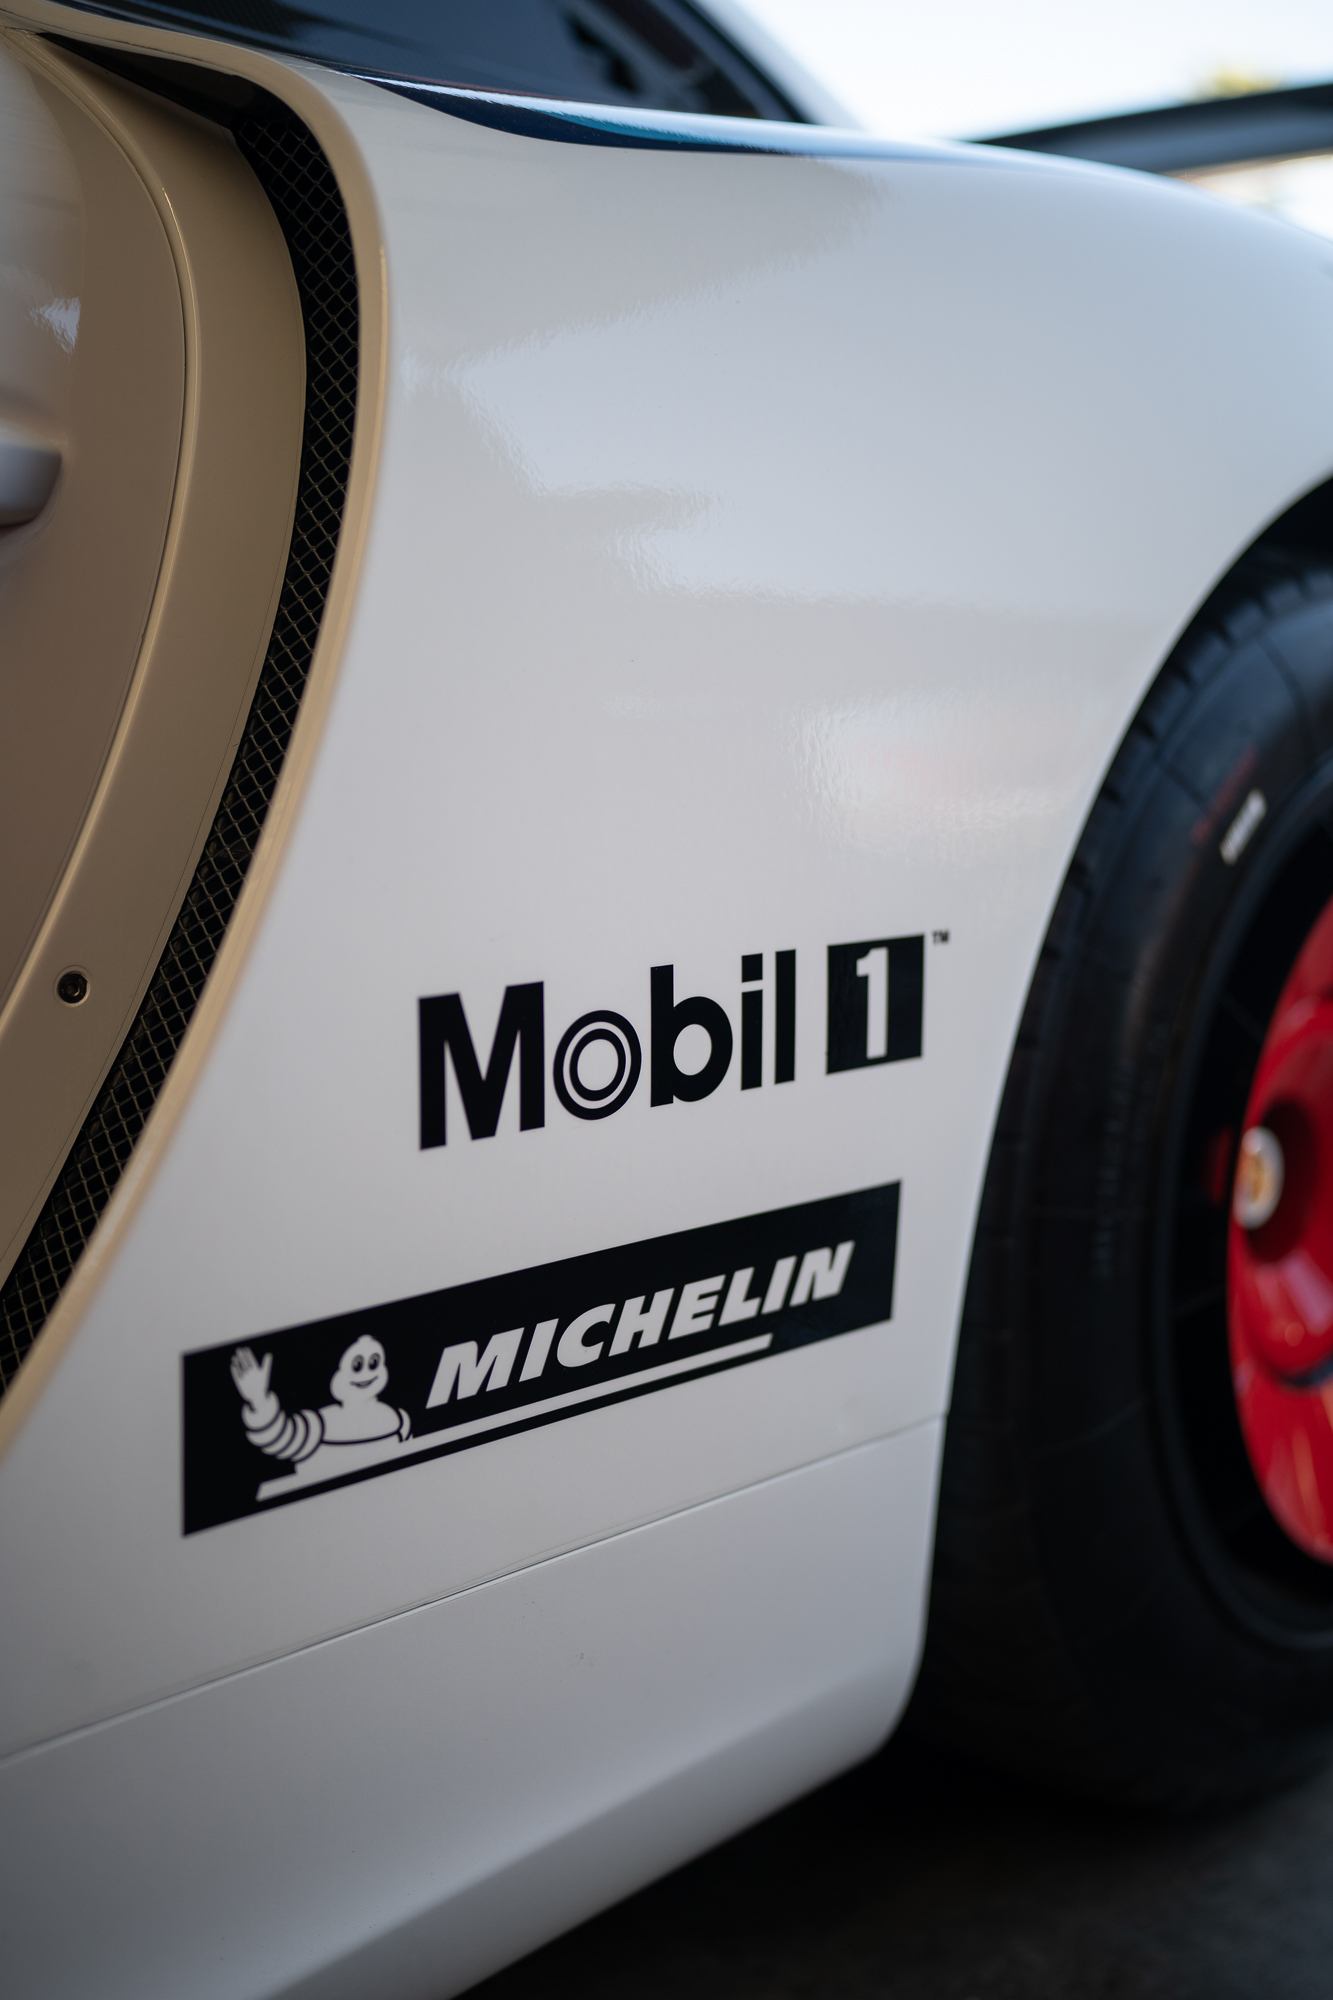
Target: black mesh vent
299 182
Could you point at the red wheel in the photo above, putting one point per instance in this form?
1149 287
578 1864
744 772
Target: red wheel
1280 1255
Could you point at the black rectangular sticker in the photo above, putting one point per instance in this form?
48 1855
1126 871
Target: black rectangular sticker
286 1415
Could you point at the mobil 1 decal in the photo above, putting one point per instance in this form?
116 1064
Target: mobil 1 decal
874 1002
285 1416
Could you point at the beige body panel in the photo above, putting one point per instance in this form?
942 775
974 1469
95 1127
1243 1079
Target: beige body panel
152 659
94 363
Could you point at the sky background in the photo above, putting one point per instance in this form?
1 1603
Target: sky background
964 68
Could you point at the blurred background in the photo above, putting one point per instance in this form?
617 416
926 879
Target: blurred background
972 69
963 69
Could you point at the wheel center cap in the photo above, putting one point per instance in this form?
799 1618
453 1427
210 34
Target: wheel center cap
1260 1175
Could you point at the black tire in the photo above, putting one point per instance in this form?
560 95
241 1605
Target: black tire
1113 1608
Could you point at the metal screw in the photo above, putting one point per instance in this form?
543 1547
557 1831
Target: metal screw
1260 1173
72 987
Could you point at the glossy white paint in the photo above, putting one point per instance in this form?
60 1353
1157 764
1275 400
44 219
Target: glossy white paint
767 552
401 1810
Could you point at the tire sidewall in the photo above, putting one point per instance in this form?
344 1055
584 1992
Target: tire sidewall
1166 1631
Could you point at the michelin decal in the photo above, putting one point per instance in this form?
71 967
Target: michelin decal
274 1418
287 1415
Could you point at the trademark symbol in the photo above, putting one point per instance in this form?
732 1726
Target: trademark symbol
939 937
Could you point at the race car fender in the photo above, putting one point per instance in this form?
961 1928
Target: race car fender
757 547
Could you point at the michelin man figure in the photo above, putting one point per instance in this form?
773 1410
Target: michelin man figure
312 1440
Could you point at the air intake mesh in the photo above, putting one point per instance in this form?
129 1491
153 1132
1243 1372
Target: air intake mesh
299 183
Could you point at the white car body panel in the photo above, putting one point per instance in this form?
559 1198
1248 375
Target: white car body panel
423 1765
765 552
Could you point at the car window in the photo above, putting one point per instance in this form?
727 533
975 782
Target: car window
649 54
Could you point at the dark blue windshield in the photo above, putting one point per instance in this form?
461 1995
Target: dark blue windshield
646 54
